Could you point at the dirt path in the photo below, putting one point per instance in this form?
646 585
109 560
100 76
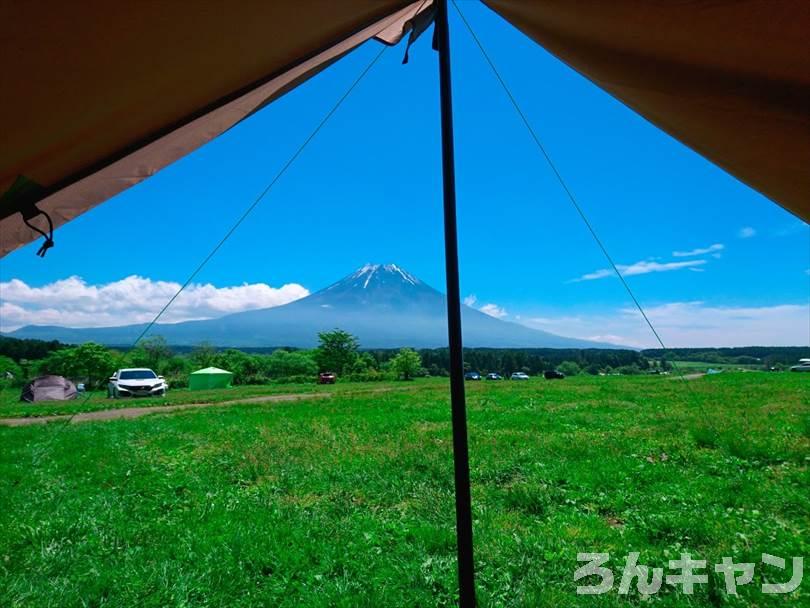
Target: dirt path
137 412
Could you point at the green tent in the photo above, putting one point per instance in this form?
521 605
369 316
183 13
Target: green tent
210 377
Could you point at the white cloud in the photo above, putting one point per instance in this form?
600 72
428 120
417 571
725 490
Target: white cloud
746 233
597 274
648 267
699 251
74 303
643 267
685 324
493 310
612 339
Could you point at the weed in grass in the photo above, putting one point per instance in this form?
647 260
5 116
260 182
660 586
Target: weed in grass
705 437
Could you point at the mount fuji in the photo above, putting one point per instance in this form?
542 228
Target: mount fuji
383 305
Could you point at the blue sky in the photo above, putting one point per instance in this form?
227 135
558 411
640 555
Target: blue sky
367 189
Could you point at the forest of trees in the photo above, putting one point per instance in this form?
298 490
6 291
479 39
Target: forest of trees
339 352
535 360
21 360
764 356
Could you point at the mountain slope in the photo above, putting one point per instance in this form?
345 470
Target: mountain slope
385 306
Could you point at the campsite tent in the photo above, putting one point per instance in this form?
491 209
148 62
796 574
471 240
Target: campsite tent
48 388
210 377
129 88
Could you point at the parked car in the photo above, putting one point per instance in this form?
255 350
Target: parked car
327 378
553 374
136 382
472 376
494 376
803 366
519 376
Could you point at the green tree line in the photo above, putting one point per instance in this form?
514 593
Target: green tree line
338 352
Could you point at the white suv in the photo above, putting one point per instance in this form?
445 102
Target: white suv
136 382
519 376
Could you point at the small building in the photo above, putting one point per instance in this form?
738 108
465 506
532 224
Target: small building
210 377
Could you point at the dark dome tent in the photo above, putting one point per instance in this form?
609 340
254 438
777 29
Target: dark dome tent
48 388
89 113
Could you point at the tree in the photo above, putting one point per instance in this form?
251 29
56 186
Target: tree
246 369
176 370
569 368
97 362
435 370
11 374
336 352
407 364
363 364
152 353
284 364
592 369
89 361
203 355
27 348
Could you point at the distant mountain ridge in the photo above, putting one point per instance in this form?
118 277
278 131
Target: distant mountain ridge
385 306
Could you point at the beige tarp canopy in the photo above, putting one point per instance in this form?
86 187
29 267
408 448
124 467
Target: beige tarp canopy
729 78
100 95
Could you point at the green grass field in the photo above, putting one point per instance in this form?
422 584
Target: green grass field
702 366
348 501
12 407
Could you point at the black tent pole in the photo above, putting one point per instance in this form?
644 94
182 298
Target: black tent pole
466 574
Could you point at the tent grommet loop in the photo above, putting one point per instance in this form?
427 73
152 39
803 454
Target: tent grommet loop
29 212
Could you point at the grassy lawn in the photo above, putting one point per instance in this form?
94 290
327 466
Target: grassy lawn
12 407
349 501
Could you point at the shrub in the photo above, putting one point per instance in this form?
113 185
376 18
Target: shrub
569 368
282 364
11 374
246 368
177 380
370 376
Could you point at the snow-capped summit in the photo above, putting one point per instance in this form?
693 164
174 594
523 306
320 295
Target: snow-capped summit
369 271
380 285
